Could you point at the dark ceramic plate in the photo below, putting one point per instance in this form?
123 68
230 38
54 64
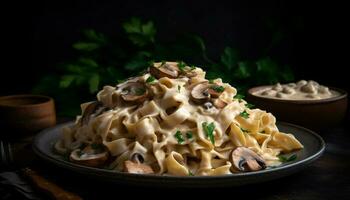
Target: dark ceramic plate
313 149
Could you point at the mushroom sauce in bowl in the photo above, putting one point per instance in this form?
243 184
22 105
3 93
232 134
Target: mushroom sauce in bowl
301 90
305 103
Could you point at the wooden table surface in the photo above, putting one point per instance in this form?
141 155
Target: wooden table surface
326 178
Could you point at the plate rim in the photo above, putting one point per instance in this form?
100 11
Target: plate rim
103 172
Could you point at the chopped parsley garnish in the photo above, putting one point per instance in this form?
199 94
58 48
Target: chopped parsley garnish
189 135
179 88
150 79
249 105
287 159
217 88
181 66
192 67
140 91
211 81
179 137
244 130
190 173
239 97
244 114
209 130
163 63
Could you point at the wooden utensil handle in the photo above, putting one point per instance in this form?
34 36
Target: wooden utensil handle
48 187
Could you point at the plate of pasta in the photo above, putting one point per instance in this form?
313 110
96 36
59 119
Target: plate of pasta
172 125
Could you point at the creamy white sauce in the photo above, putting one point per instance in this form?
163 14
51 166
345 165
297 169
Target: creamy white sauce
302 90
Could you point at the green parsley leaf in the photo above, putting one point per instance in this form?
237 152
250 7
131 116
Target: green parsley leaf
140 91
239 96
181 65
150 79
163 62
190 173
217 88
179 88
189 135
179 137
192 67
249 105
287 159
244 114
211 81
209 130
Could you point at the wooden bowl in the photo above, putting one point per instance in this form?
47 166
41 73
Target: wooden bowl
25 114
314 114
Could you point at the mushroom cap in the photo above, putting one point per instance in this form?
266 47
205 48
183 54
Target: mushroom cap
213 93
244 159
200 93
204 91
92 108
167 69
134 92
88 158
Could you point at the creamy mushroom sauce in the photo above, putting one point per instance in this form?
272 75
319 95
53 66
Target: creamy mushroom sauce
302 90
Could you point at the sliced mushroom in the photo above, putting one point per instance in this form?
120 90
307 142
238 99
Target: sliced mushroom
200 93
89 156
129 80
136 166
219 103
244 159
214 93
96 108
204 91
134 92
167 69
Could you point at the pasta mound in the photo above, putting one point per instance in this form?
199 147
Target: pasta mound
174 121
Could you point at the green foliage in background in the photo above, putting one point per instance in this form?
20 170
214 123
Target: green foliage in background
106 60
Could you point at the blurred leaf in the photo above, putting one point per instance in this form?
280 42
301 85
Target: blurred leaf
94 82
66 81
74 68
200 42
229 58
138 33
132 26
268 71
94 36
85 46
80 80
149 30
243 70
88 62
288 74
138 62
135 65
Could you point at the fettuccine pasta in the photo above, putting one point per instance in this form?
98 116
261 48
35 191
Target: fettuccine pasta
173 121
